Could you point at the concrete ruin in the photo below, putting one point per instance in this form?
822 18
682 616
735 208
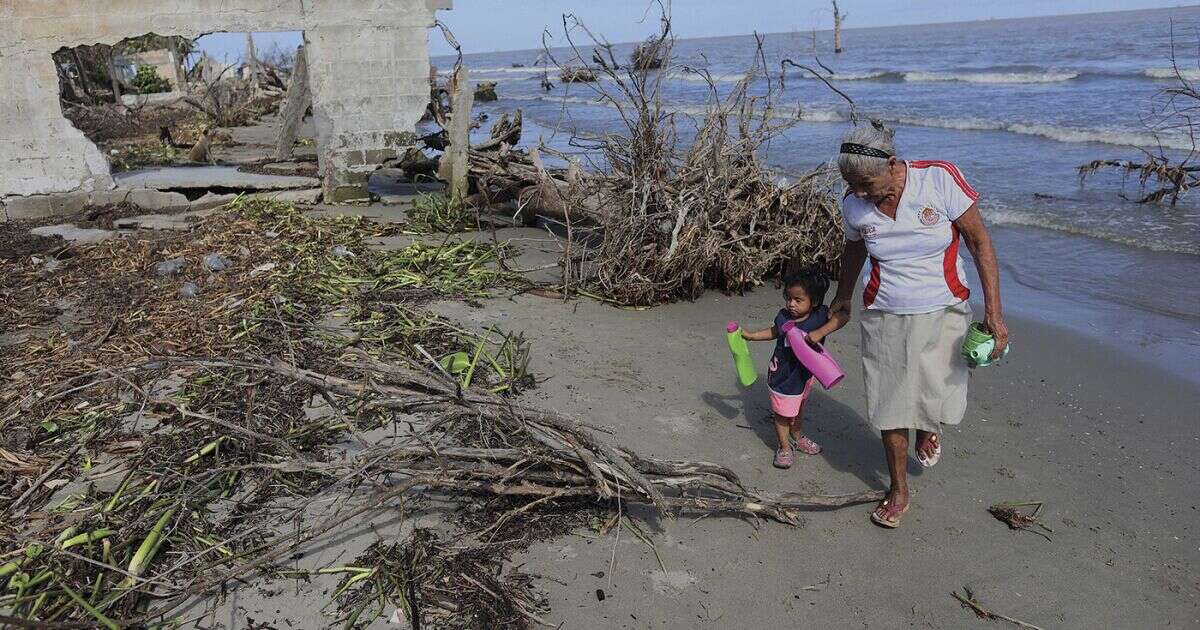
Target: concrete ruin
368 62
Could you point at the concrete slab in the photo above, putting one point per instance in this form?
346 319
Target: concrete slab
391 186
298 169
383 213
182 221
202 177
153 199
34 207
304 196
142 100
74 234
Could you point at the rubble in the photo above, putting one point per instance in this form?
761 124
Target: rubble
169 267
193 178
361 123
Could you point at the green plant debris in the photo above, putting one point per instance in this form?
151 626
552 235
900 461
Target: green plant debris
440 213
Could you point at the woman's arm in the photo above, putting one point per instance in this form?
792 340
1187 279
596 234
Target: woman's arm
836 321
970 224
766 334
854 254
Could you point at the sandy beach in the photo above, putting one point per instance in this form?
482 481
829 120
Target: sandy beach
366 368
1105 441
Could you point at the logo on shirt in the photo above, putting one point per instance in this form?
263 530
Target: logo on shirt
869 231
929 216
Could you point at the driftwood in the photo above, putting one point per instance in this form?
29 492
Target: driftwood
299 99
577 74
967 599
681 218
838 18
1163 176
561 457
675 220
500 173
645 56
485 91
453 168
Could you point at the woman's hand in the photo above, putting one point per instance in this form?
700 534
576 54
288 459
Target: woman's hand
839 312
995 325
854 255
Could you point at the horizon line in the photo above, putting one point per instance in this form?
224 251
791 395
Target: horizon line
857 28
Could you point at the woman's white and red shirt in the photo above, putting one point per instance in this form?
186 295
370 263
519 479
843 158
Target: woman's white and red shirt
914 265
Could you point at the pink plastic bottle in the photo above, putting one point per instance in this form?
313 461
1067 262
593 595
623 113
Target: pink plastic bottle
818 361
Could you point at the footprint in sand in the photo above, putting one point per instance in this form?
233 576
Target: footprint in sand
671 581
678 425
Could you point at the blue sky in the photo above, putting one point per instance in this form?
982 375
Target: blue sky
491 25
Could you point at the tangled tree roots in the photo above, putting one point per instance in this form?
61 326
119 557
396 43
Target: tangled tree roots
682 217
662 219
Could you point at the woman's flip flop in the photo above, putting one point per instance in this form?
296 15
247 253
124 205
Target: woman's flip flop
890 514
936 455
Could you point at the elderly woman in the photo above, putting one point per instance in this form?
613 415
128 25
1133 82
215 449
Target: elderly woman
907 216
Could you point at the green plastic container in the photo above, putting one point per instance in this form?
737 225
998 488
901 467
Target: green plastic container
747 374
978 345
456 363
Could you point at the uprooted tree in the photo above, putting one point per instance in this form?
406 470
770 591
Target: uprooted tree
674 217
1162 176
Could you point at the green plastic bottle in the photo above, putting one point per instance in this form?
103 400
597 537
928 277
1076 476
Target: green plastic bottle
741 355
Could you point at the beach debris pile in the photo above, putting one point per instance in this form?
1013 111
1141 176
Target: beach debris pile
646 55
576 74
661 218
187 411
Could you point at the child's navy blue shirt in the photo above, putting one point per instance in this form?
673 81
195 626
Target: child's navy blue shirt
787 375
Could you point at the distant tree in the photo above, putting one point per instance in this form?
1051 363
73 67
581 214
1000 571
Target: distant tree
148 81
838 16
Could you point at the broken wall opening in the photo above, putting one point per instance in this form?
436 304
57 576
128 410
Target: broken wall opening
118 96
369 83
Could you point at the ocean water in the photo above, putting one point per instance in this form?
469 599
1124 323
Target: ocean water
1017 104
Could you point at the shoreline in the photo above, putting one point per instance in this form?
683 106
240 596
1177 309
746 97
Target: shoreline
1107 447
1134 331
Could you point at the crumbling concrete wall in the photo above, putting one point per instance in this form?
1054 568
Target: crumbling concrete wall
368 63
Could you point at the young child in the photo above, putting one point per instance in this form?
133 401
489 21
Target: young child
787 379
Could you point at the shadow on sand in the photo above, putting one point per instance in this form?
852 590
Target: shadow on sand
848 443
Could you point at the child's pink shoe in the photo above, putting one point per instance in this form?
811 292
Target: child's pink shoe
806 446
783 458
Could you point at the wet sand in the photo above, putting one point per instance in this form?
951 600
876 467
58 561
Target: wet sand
1108 443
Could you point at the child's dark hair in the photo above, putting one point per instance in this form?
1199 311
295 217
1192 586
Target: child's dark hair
814 280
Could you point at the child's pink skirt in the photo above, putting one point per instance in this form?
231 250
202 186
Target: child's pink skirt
788 406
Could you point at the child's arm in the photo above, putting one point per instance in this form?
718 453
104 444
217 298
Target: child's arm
766 334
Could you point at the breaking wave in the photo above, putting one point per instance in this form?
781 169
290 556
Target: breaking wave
1119 137
525 70
991 77
1006 216
947 77
1169 73
696 78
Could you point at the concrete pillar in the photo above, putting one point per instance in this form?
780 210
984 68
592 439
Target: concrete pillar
366 100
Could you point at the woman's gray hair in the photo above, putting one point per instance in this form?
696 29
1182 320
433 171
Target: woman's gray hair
874 135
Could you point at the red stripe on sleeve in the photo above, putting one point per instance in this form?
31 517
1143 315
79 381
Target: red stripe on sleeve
872 287
953 170
950 267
